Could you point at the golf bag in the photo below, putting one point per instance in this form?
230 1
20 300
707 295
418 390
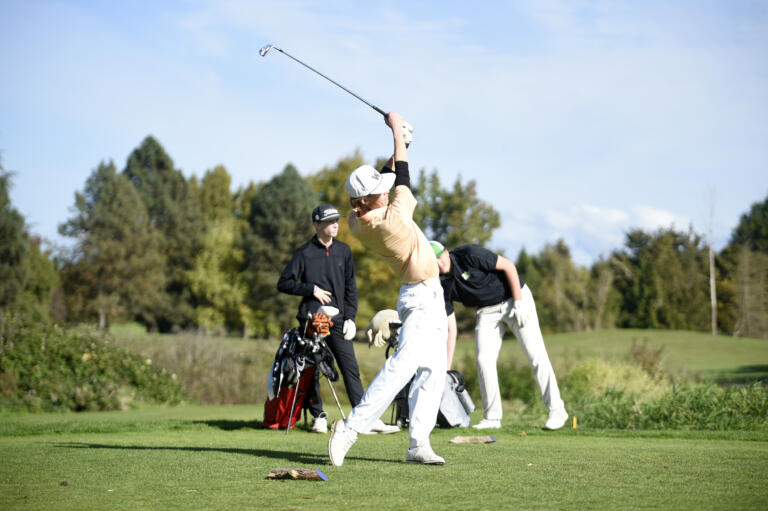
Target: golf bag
455 405
277 411
301 352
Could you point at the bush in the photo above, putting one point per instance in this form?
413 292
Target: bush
596 377
515 380
691 406
48 368
625 396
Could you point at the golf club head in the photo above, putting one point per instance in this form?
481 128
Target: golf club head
265 50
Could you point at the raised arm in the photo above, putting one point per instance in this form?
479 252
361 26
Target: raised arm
395 122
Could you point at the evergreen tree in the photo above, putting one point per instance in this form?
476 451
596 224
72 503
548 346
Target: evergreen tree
743 269
752 229
561 294
279 222
116 269
14 245
663 279
176 214
36 301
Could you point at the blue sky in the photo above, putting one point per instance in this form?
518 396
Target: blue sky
578 120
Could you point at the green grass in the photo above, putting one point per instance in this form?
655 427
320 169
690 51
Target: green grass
685 353
198 457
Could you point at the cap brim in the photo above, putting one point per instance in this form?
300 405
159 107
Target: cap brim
387 180
330 218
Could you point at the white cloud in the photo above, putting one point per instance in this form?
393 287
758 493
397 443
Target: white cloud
650 219
589 230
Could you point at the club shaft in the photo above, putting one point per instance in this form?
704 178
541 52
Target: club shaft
382 112
337 399
293 404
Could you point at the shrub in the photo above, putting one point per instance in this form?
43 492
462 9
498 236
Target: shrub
515 380
596 377
625 396
46 368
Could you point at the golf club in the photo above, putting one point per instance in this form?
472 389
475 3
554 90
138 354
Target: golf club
263 52
299 368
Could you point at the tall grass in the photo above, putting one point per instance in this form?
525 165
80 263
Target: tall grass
212 370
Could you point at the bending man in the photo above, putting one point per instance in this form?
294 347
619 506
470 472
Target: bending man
480 278
388 229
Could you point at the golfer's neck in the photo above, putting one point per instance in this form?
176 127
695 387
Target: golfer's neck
325 240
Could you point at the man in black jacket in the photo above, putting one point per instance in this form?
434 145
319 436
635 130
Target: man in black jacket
322 271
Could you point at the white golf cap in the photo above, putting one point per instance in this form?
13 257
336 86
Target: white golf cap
366 180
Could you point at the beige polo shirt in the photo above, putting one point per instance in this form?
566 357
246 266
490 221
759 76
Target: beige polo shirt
392 233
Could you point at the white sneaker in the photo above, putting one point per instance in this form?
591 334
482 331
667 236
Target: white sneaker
320 424
423 455
488 424
341 440
380 427
556 419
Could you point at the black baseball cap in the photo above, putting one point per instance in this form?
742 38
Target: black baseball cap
325 213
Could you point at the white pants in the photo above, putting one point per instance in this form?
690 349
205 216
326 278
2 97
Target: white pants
421 351
489 331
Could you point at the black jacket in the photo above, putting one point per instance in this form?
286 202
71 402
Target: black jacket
332 269
474 279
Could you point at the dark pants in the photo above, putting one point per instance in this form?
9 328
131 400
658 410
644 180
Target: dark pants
344 353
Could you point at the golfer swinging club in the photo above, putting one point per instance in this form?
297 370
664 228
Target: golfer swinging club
389 230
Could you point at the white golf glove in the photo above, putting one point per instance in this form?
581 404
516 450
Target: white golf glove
407 132
519 313
378 331
349 329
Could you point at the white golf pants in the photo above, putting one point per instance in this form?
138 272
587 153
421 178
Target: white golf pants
421 351
489 331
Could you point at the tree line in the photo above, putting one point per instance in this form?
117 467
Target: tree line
173 253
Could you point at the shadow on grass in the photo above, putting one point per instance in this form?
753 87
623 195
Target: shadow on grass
293 457
228 425
743 375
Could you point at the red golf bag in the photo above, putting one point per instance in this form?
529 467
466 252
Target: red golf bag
278 409
300 353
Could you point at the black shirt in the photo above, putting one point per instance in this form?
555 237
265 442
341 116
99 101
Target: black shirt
474 279
332 269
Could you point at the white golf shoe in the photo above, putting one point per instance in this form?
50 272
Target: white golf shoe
556 419
488 424
381 428
342 438
320 424
423 455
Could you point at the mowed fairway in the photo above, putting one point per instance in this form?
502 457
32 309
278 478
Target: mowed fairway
214 458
